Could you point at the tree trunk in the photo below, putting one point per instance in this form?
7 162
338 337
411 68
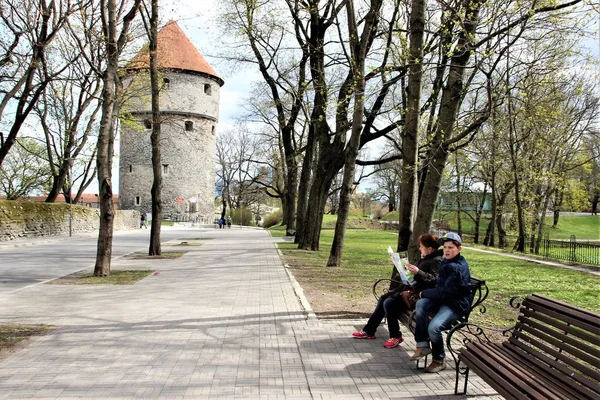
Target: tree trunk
58 181
156 191
410 136
499 215
106 136
289 198
313 218
305 183
359 49
451 96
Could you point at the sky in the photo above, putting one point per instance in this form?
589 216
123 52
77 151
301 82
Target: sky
197 18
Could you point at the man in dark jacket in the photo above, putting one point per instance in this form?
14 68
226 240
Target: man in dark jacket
450 299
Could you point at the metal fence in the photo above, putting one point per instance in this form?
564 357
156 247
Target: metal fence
570 251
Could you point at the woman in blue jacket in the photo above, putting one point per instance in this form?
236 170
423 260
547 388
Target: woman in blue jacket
450 300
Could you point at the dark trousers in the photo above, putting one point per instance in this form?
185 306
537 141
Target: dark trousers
391 308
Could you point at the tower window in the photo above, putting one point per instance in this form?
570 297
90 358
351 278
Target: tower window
138 200
192 208
166 83
189 126
213 130
207 89
130 168
147 124
165 169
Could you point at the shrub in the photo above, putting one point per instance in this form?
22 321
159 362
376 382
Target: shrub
241 216
272 219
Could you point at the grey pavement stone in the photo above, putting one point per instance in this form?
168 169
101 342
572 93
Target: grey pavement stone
223 321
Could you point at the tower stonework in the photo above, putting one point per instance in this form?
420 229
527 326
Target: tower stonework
189 108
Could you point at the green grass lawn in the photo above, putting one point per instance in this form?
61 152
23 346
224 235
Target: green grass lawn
365 260
583 227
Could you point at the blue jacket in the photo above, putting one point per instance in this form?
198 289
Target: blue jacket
453 285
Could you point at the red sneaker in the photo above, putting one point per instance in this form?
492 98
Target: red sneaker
393 342
362 335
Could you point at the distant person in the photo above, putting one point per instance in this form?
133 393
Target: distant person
395 302
143 221
229 222
450 300
221 222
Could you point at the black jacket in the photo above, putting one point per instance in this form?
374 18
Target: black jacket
428 271
453 285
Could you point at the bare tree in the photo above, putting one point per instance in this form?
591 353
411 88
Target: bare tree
285 76
115 28
24 170
150 18
25 68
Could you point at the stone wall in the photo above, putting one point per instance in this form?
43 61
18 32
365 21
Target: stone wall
21 219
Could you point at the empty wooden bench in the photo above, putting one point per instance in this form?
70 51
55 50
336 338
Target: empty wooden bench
552 353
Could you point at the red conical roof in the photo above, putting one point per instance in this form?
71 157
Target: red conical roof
175 51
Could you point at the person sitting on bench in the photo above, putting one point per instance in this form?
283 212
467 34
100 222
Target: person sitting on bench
393 303
450 300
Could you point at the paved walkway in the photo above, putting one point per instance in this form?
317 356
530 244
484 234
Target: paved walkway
223 321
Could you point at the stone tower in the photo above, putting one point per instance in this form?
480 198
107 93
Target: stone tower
189 105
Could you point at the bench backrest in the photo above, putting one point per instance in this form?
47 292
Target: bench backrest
563 340
479 292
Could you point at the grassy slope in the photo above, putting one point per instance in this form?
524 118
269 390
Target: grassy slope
583 227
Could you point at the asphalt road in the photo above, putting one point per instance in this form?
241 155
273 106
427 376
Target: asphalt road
26 262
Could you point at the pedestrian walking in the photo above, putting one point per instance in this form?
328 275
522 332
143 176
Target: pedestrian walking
143 220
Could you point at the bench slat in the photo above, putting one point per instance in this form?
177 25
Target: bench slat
567 333
565 346
576 386
553 303
569 314
566 375
514 380
492 376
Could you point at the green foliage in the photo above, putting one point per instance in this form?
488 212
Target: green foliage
241 216
272 219
24 170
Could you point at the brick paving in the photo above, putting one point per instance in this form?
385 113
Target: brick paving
224 321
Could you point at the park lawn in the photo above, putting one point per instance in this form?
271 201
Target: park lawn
583 227
365 260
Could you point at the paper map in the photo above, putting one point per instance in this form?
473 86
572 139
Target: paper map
399 263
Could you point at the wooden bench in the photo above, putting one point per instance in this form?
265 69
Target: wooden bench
479 292
553 353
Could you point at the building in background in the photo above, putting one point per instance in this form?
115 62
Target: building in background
189 106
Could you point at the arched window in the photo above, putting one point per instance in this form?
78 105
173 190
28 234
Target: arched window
189 126
147 124
213 129
207 89
166 83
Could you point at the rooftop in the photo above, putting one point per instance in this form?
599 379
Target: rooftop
175 51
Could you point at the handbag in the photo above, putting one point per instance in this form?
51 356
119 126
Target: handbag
410 298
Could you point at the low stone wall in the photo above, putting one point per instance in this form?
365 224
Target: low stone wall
21 219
